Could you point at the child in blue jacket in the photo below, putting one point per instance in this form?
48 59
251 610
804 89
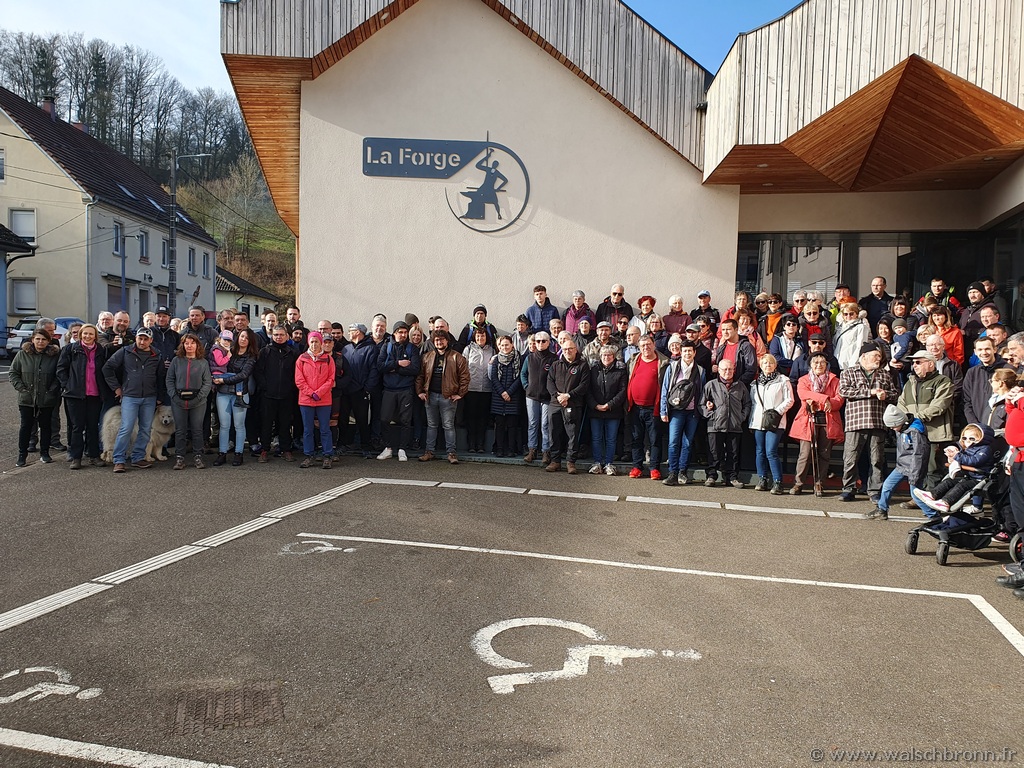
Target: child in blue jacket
970 462
912 450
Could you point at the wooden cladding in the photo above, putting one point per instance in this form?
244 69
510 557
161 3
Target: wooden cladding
917 127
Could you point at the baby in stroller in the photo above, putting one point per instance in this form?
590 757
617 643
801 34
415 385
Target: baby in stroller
970 465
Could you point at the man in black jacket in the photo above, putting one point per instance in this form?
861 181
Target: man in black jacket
165 338
568 384
275 379
136 375
538 400
362 378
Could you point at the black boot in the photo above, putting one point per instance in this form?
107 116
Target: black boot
220 460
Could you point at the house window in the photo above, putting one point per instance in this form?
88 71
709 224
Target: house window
206 264
3 164
245 308
23 295
191 261
118 246
164 253
23 224
144 247
161 299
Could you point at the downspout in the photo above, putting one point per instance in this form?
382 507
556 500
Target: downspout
89 310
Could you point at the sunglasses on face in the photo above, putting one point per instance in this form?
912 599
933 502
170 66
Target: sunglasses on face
616 294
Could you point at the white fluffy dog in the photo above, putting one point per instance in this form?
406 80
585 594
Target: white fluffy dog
160 432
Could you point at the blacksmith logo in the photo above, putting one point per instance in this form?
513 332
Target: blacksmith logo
487 186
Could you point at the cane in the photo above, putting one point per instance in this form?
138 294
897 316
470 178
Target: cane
815 476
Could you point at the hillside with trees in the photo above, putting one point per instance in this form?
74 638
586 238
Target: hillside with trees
128 100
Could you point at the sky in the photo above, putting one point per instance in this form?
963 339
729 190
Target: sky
186 33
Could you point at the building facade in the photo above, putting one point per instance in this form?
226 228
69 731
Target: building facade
846 139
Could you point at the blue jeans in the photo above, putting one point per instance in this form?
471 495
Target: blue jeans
228 412
646 422
440 412
603 433
682 426
539 433
134 409
323 413
889 487
766 447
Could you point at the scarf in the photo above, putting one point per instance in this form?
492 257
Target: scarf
766 378
818 382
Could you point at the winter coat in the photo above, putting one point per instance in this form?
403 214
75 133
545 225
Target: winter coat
676 322
746 360
953 371
454 376
777 350
802 366
864 410
913 452
314 375
607 387
165 341
731 406
239 369
478 358
875 307
931 400
468 334
106 339
361 374
610 312
395 377
698 375
186 375
34 376
136 373
776 395
954 339
970 321
849 337
978 390
801 427
275 371
573 317
571 378
535 374
540 317
980 456
504 377
207 334
593 351
71 367
824 327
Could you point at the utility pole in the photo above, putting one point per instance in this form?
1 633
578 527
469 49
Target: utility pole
172 234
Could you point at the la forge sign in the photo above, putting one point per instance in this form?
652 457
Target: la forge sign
486 185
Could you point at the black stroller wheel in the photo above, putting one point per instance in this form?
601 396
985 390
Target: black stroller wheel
942 552
910 545
1017 548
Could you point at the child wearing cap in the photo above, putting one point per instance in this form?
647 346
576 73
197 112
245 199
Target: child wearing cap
912 451
902 345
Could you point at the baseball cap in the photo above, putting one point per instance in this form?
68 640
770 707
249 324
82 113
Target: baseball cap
358 327
227 335
816 337
604 324
162 311
144 331
923 355
693 327
704 293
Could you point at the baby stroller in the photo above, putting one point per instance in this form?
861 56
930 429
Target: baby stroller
960 529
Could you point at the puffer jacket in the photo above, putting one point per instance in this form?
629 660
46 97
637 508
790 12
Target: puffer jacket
777 395
185 375
504 377
731 406
912 453
980 455
479 359
849 337
239 369
314 375
275 371
931 400
607 387
34 376
361 374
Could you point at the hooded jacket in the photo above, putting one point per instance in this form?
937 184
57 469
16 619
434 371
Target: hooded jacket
314 375
136 373
980 456
275 371
166 341
912 452
930 399
361 374
34 376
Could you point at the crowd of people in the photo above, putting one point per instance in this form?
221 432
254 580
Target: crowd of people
620 384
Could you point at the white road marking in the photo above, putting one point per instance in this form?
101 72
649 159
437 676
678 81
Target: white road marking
237 532
60 687
45 605
474 487
482 641
777 510
674 502
150 565
96 753
570 495
390 481
990 613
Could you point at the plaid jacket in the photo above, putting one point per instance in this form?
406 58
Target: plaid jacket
864 411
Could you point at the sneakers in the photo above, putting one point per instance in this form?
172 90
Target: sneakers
45 458
762 484
76 464
923 495
737 483
610 470
796 490
1001 538
97 463
711 482
385 455
453 459
634 473
22 460
671 479
776 489
970 509
142 464
179 463
596 469
198 461
427 456
848 496
119 469
402 456
308 462
327 463
655 474
876 514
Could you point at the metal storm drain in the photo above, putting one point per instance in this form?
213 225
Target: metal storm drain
215 709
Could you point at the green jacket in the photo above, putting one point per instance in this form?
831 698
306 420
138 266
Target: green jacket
34 376
930 400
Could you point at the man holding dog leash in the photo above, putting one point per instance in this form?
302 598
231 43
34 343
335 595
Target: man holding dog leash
136 375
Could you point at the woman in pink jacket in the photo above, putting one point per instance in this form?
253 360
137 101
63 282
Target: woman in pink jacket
817 392
314 376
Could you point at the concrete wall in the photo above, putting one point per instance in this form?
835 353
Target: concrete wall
609 202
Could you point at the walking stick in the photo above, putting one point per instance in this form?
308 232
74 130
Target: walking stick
815 470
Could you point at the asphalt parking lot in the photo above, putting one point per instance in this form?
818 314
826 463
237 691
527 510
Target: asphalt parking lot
386 614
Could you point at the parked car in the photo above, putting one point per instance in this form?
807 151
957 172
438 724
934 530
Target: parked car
21 332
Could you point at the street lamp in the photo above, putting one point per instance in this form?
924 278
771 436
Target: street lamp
172 237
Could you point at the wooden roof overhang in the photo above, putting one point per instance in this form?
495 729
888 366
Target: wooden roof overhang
917 127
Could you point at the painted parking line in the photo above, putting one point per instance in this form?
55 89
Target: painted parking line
475 487
777 510
96 753
570 495
674 502
45 605
1005 628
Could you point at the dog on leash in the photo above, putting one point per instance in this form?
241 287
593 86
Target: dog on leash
160 432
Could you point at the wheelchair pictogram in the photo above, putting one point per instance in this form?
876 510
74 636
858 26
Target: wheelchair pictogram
59 686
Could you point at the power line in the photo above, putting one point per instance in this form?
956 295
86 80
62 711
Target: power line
237 213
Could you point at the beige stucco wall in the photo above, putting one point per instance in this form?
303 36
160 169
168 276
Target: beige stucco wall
609 202
1002 196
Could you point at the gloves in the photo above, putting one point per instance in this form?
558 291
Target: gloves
315 397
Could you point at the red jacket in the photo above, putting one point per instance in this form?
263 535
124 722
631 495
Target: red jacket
1015 428
801 428
314 376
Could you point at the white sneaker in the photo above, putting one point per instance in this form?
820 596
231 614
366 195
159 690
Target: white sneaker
609 469
970 509
596 469
385 455
402 456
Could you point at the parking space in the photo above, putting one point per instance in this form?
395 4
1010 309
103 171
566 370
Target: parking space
373 623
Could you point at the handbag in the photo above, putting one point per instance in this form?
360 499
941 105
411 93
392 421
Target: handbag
681 393
770 418
187 394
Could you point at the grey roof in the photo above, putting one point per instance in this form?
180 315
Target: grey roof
231 283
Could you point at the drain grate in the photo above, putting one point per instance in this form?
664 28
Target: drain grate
215 709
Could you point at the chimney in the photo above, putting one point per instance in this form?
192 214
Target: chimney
48 108
83 127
